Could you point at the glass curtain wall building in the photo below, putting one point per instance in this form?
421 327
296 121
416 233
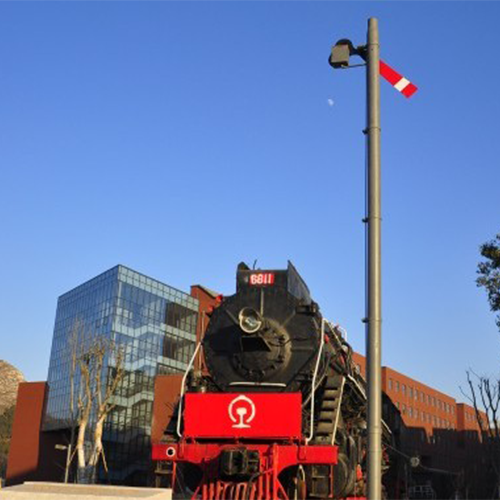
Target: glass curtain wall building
156 325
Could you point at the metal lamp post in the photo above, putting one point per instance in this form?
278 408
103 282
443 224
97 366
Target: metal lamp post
340 59
63 447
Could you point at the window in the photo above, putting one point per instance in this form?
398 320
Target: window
403 389
181 317
390 384
410 411
397 386
410 392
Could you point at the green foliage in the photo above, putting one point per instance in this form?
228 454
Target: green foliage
489 273
6 419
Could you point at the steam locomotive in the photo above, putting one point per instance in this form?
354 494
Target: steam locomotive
278 410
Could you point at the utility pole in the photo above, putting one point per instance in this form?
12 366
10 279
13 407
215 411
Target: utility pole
340 59
374 274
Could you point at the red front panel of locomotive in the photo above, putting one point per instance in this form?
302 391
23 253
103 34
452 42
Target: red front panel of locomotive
249 415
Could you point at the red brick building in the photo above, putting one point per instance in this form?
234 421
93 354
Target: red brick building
442 433
32 454
423 406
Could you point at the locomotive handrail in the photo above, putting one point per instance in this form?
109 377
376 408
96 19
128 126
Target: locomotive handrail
342 330
363 393
183 383
334 432
358 386
258 384
313 385
338 331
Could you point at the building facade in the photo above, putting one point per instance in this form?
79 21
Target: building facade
423 406
156 327
443 434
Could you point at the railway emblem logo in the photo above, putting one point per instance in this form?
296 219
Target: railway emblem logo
241 411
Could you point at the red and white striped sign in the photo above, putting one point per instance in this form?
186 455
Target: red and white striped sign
399 82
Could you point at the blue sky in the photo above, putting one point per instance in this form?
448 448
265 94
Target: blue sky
181 138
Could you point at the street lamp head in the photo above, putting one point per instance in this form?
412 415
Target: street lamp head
339 58
342 50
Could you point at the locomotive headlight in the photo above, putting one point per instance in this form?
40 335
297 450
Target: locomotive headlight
250 320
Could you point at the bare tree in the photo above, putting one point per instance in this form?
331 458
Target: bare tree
104 393
96 370
485 394
87 366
